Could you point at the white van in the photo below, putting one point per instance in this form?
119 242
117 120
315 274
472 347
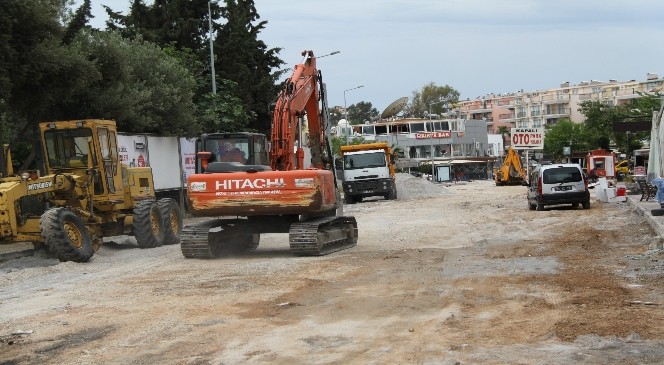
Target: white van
558 184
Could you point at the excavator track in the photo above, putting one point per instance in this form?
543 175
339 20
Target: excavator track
194 241
324 235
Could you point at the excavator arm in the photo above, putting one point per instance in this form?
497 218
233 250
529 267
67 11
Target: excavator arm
302 95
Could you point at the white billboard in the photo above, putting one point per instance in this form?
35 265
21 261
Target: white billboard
527 138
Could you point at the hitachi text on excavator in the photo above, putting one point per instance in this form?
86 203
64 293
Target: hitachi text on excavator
250 190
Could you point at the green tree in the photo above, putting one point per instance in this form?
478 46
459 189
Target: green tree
223 112
335 116
182 23
361 112
431 95
247 61
601 116
78 22
338 141
139 86
504 131
599 122
39 75
562 134
181 28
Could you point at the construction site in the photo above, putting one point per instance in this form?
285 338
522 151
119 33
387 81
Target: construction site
459 273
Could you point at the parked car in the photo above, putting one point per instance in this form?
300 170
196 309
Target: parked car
558 184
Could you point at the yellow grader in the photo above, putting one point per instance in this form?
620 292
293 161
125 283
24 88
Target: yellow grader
86 194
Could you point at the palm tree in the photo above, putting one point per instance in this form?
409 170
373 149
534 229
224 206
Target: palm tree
397 151
505 132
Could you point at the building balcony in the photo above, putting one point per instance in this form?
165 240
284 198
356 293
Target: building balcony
555 99
479 110
506 103
558 113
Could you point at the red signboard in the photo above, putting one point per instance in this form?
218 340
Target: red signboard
443 134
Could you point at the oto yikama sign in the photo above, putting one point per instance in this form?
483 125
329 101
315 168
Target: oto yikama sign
528 138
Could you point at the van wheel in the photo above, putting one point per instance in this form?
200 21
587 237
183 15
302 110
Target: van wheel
586 204
540 207
575 205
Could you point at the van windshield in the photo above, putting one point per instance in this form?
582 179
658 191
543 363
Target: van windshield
561 175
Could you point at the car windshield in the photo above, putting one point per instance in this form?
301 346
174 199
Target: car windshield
365 160
561 175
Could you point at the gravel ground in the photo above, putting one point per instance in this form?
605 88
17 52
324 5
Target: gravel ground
445 274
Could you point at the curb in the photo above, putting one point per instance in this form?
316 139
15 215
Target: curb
649 218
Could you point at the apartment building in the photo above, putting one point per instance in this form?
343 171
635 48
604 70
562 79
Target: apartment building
536 109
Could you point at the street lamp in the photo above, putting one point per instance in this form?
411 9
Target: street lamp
329 54
444 102
346 111
214 81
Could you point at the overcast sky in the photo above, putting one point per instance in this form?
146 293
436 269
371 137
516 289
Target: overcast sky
394 47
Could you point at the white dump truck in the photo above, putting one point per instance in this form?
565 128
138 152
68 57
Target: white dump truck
368 170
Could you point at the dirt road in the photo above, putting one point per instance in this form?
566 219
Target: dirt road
464 274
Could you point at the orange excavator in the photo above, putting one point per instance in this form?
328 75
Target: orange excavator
250 190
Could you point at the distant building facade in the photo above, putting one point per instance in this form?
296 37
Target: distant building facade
537 109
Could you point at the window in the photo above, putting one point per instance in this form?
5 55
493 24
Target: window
417 127
68 148
561 175
364 160
228 149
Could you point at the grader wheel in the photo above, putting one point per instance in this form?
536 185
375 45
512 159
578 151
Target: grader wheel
148 224
66 236
172 220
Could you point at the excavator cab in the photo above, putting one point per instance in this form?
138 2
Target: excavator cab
229 152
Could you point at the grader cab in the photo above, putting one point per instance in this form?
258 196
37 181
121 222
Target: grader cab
86 194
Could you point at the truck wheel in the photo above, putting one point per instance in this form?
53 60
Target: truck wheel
148 224
393 193
65 235
172 215
349 199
